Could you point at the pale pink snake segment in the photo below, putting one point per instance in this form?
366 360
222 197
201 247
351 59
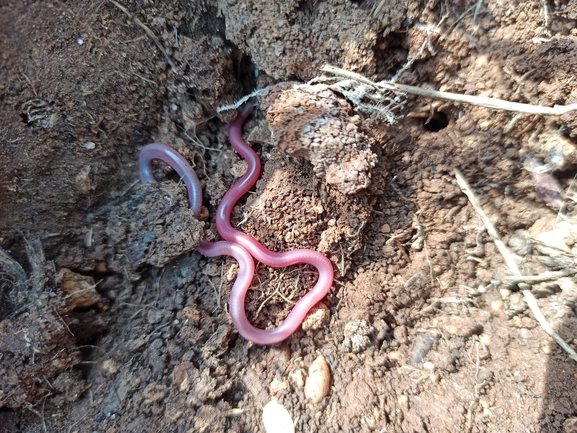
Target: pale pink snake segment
178 163
241 246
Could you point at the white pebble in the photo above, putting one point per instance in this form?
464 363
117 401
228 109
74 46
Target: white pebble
80 41
276 418
89 145
319 380
428 366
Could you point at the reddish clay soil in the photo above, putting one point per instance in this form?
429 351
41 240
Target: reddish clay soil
111 322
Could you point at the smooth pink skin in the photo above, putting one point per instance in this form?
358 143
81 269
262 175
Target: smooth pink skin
178 163
239 245
263 254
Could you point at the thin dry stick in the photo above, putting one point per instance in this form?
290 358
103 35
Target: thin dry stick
148 32
545 276
478 386
497 104
510 262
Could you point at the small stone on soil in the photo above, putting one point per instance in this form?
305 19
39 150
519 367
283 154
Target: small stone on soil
79 290
318 381
356 335
318 317
276 418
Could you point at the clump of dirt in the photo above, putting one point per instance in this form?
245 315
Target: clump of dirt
315 124
321 218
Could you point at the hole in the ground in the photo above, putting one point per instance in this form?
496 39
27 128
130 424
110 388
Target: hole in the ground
436 122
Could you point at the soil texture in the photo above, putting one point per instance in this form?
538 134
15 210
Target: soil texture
110 321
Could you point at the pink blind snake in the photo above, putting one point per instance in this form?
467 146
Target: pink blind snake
240 245
178 163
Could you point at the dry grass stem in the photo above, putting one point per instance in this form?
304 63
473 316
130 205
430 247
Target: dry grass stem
545 276
512 265
497 104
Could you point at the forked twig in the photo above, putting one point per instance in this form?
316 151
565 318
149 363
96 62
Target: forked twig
510 262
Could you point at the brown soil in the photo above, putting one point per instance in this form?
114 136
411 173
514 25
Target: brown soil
111 322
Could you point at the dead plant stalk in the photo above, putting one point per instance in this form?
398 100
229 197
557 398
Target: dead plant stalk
497 104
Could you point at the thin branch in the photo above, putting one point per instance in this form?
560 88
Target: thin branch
512 265
497 104
545 276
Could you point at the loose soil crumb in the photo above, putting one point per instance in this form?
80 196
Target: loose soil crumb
421 331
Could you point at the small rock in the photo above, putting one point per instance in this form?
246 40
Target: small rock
180 375
317 318
463 326
277 385
524 322
520 242
400 334
485 339
276 418
357 334
484 374
525 333
172 412
428 366
154 317
421 346
568 286
545 289
385 228
516 303
318 381
280 354
570 425
192 314
298 378
497 305
395 356
79 290
110 367
389 251
239 168
153 393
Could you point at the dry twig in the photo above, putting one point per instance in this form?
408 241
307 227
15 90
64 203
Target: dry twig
478 388
545 276
512 265
497 104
